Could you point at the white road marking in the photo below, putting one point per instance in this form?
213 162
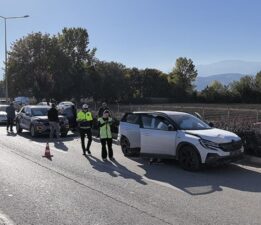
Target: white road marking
52 147
4 220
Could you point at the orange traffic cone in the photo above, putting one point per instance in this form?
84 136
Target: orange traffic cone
47 152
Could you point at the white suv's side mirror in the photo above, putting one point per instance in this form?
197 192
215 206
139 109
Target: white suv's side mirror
170 127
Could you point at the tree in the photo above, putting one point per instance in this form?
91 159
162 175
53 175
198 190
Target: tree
30 66
215 92
2 85
258 81
113 86
182 76
74 43
47 66
245 89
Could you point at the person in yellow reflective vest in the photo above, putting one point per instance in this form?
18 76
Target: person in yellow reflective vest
105 123
85 121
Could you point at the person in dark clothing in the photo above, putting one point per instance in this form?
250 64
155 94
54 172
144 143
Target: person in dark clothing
102 109
105 123
74 112
85 120
10 111
54 122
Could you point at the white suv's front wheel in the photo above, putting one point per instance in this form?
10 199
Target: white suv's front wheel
189 158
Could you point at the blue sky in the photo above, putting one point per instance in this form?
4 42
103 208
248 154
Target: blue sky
146 33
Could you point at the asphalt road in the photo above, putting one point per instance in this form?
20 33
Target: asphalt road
73 189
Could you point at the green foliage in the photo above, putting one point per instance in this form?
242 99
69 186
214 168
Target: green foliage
215 92
182 77
246 90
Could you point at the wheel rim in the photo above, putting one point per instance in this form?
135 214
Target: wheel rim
125 146
188 159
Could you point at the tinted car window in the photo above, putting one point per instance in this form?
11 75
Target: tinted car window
132 118
147 122
28 111
40 111
160 124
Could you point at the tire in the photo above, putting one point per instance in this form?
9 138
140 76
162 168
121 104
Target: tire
32 131
125 147
18 127
189 158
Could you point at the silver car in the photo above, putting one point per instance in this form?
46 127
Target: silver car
35 120
3 115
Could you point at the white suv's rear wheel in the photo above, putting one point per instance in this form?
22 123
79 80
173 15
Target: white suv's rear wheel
125 146
189 159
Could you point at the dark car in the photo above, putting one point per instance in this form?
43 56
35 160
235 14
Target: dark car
70 112
35 120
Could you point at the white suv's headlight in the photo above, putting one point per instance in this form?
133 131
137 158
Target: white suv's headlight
209 144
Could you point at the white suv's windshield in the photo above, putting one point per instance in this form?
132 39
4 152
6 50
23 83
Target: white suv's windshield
40 111
189 122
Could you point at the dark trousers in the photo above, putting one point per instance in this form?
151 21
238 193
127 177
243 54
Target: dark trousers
83 133
10 123
107 141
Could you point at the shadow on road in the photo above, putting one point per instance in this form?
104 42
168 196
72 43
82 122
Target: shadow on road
114 169
60 145
45 138
11 134
206 181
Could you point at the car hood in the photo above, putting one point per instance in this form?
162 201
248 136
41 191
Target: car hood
2 113
215 135
45 118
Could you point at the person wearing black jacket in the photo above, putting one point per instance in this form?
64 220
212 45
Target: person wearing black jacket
10 111
54 122
102 109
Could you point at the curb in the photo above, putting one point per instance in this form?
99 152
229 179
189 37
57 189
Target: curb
249 159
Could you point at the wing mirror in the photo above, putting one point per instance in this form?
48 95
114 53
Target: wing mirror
211 124
170 127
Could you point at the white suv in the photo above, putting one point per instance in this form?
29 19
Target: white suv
168 134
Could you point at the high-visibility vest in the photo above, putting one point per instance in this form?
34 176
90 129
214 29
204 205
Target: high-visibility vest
105 128
84 119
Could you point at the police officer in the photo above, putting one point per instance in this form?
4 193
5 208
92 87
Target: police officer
85 120
105 123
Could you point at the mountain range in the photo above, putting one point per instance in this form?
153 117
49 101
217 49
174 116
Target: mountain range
225 79
225 72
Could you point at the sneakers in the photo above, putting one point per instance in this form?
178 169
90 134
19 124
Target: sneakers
105 159
112 159
89 152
